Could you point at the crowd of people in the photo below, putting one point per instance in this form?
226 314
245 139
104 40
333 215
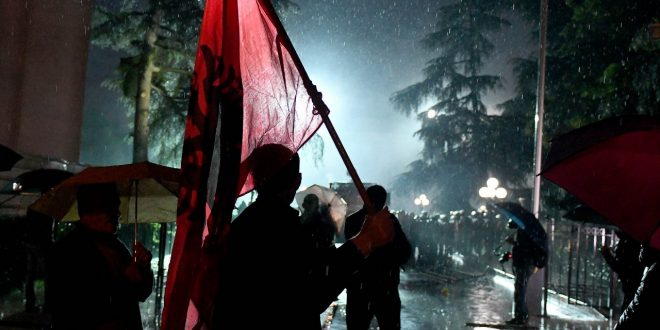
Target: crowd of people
275 252
444 243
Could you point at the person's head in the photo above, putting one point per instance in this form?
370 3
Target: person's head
310 203
378 196
98 207
276 171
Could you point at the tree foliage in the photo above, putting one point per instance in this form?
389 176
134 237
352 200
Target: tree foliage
158 42
601 62
456 148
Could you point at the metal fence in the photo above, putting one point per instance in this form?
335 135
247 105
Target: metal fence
459 244
576 268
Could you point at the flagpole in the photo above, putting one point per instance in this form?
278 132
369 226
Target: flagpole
538 118
320 107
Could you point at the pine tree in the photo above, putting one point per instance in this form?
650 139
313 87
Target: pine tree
158 39
455 128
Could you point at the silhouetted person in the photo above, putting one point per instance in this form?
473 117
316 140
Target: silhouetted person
94 281
374 289
624 261
523 267
268 276
642 312
37 241
317 223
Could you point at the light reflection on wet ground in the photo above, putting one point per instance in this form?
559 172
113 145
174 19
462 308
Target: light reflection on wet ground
430 302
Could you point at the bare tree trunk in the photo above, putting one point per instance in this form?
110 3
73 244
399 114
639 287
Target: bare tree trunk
143 97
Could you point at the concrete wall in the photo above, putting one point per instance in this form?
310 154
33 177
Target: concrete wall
43 56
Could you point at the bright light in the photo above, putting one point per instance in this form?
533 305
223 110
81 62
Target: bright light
431 114
492 189
500 193
482 208
422 200
492 183
486 192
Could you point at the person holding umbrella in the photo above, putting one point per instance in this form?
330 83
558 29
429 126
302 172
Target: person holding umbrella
642 311
623 259
522 255
93 281
529 252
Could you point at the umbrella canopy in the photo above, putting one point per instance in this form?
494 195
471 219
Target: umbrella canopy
613 167
156 185
336 205
36 181
586 215
8 158
525 221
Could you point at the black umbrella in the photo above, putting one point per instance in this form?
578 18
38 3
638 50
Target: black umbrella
525 221
37 181
8 158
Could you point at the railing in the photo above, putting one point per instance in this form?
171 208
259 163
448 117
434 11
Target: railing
469 243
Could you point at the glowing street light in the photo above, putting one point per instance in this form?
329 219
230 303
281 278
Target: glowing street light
430 114
422 201
492 190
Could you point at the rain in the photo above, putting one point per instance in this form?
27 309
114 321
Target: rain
439 102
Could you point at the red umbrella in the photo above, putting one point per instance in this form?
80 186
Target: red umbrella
613 166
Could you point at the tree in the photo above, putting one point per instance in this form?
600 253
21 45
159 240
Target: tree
455 129
158 41
601 62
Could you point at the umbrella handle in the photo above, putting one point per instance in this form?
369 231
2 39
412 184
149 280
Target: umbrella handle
135 224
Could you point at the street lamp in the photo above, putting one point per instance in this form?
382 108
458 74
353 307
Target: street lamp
422 201
492 190
430 114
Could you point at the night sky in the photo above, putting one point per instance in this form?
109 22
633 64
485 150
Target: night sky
357 52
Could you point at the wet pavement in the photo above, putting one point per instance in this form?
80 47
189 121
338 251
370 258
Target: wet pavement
433 301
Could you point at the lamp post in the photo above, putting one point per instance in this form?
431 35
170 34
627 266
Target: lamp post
422 201
492 190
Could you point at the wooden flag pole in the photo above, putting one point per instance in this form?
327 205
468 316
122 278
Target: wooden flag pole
319 106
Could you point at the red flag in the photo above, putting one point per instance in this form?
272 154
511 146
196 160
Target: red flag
246 91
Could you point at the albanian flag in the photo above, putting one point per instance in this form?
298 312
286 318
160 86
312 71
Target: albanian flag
247 91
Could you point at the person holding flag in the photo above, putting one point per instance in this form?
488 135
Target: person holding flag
249 89
270 258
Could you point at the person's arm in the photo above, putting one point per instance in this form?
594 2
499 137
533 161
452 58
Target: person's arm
138 275
642 308
376 231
